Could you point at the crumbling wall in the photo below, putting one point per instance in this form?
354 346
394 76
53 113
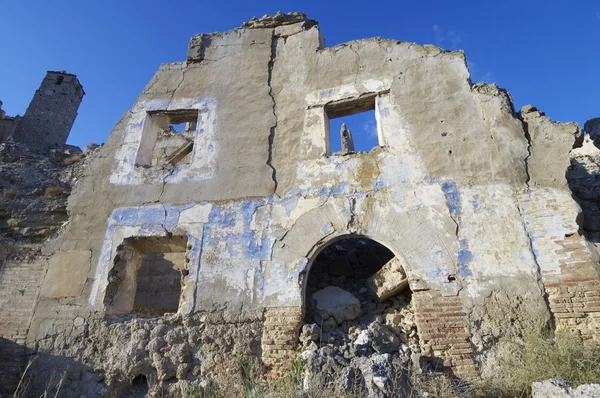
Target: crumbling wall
459 189
33 207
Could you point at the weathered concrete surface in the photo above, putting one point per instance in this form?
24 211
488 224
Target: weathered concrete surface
550 144
458 190
67 273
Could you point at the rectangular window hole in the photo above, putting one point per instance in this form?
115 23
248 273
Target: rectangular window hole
168 137
147 276
358 117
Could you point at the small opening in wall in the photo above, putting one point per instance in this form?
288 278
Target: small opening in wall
147 276
353 125
139 387
168 137
60 80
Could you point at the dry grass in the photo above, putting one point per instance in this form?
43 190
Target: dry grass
52 388
11 194
537 357
54 191
540 357
73 159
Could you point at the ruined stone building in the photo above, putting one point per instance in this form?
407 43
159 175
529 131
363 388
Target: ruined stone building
186 248
50 115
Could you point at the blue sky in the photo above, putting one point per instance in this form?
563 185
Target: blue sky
544 52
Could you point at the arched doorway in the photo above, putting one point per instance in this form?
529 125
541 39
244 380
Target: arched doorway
358 315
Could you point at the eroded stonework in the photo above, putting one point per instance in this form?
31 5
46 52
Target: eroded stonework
470 197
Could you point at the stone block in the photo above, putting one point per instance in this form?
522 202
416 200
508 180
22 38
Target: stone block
389 280
67 273
333 302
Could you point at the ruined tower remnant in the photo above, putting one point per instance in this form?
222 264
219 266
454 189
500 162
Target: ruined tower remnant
52 111
347 141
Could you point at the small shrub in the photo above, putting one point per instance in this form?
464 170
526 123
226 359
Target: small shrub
54 191
73 159
11 194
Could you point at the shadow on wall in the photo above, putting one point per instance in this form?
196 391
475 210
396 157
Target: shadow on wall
45 375
583 176
56 376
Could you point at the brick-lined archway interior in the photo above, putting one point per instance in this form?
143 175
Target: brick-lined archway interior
358 302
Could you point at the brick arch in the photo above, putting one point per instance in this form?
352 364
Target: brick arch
428 254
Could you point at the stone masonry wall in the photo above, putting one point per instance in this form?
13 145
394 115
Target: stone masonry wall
19 288
568 265
447 191
52 112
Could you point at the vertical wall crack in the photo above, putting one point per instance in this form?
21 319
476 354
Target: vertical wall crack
528 138
274 40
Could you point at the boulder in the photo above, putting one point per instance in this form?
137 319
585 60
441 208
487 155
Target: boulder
389 280
310 332
384 340
335 303
560 388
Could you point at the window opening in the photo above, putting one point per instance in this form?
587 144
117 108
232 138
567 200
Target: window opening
168 137
60 80
147 276
352 125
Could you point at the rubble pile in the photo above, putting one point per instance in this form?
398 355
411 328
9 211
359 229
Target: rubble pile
353 341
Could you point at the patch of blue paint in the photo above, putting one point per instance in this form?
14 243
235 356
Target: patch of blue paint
150 215
125 216
106 252
172 217
435 273
229 229
475 202
327 228
211 147
384 112
289 204
326 93
343 188
380 184
464 258
139 124
151 230
452 197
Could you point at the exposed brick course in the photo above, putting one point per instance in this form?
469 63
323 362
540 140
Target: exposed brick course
442 325
280 337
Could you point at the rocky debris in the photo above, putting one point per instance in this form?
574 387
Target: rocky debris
583 176
367 360
279 19
370 354
592 127
389 280
106 357
333 306
384 340
559 388
34 187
